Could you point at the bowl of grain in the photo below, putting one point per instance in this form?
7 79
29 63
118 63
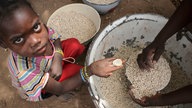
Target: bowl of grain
125 38
102 6
75 20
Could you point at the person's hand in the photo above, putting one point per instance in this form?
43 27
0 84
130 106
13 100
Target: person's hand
147 101
150 55
104 67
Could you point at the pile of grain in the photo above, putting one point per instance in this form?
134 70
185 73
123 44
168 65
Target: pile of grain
114 88
147 83
72 25
102 1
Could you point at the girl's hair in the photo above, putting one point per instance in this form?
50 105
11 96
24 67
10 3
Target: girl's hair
8 6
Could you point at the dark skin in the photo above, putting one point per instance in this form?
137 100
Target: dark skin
28 37
180 96
150 55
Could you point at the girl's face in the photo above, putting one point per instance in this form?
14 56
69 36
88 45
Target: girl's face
25 34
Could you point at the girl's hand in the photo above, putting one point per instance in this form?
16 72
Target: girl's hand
104 67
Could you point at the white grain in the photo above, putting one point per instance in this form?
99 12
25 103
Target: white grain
147 83
102 1
73 25
114 88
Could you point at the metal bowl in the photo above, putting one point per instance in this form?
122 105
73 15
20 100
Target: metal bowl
134 29
103 8
80 8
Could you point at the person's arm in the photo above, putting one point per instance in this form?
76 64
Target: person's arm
59 88
101 68
151 54
56 68
180 96
180 18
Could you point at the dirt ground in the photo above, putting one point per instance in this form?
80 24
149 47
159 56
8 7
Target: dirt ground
8 96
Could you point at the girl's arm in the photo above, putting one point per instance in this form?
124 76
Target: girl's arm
59 88
56 67
102 68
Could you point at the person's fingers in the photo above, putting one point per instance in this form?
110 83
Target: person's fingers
131 93
133 97
124 62
113 68
140 61
157 54
148 59
144 59
149 63
146 66
106 76
110 59
118 67
144 101
110 74
130 88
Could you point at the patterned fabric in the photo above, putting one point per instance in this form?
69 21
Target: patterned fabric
30 74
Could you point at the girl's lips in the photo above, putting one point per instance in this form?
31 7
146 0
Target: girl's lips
41 50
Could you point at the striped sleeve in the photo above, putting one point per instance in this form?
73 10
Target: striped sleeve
13 72
29 76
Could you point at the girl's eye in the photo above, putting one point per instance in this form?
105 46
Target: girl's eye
19 40
37 27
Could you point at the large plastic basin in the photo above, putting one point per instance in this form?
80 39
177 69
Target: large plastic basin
137 29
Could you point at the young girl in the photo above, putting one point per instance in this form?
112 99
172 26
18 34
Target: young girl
36 59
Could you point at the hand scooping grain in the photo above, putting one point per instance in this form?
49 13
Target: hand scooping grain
147 83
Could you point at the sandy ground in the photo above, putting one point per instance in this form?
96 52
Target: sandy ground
82 99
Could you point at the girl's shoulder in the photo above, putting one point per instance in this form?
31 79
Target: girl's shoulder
26 63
